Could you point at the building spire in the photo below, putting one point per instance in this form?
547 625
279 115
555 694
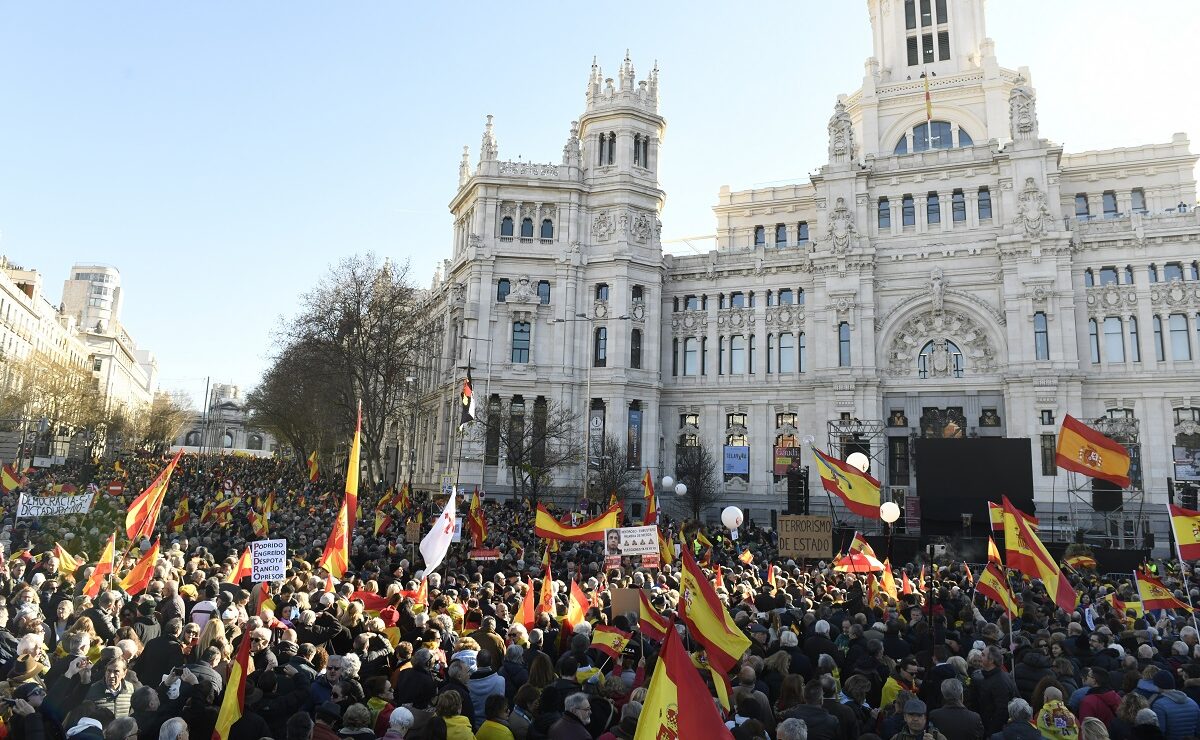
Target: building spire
489 150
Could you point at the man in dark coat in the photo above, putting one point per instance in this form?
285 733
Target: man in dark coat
992 689
952 718
162 653
146 626
821 724
417 685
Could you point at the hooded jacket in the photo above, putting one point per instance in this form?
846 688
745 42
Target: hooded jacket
1100 702
1033 667
1178 714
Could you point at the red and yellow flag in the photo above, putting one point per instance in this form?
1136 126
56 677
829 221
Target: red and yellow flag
996 515
1186 524
258 522
746 557
336 556
906 586
860 544
476 523
592 530
994 585
994 552
1079 562
1082 449
1027 554
182 516
858 490
888 581
352 468
402 499
10 479
666 549
66 562
577 606
104 567
678 704
650 622
546 602
142 516
706 618
242 569
382 521
313 470
142 572
651 504
610 640
525 614
1154 594
234 703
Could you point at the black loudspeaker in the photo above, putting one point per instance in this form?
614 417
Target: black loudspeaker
797 495
1105 496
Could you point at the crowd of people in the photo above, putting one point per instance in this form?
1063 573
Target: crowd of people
389 651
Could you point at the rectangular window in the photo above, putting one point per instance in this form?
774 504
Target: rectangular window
1181 346
786 297
760 235
737 355
1159 347
600 348
959 206
933 208
703 355
885 214
636 294
544 292
520 341
802 231
602 292
898 474
910 14
787 353
802 350
771 364
780 235
750 352
943 45
97 365
491 448
1108 276
635 349
1172 271
691 303
908 211
1049 444
941 11
985 204
1138 200
691 356
927 49
1081 206
674 357
1135 349
1094 341
1047 417
1110 204
737 300
843 344
1114 340
720 355
914 51
1041 336
926 13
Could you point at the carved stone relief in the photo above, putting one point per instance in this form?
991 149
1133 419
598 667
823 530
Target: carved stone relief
603 226
1175 294
735 319
689 323
957 327
1033 216
841 232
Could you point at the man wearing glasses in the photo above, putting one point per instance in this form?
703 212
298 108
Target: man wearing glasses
575 720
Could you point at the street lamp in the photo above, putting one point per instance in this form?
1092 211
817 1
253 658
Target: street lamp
409 380
587 403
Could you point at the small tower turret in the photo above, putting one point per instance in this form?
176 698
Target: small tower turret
489 150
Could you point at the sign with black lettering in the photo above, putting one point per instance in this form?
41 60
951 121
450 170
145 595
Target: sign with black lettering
268 560
805 536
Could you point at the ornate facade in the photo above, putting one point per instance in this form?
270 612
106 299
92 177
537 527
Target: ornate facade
948 272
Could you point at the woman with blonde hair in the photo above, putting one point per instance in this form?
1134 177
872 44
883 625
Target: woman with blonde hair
1093 729
448 720
1125 718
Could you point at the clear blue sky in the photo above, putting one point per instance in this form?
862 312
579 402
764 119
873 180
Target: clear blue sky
222 154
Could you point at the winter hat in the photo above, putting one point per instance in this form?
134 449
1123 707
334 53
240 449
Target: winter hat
1164 680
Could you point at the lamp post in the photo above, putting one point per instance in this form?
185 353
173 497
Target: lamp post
412 423
587 401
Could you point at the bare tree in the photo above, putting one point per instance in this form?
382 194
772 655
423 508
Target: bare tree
162 421
534 440
611 472
696 468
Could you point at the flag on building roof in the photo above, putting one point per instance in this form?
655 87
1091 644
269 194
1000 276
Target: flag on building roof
592 530
1084 450
857 490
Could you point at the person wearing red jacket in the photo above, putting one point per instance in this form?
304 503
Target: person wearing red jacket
1100 701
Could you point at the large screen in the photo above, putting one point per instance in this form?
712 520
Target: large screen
959 476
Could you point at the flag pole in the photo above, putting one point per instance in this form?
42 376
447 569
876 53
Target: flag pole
1179 556
462 433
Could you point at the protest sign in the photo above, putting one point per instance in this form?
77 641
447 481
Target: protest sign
30 506
805 536
268 560
412 531
631 541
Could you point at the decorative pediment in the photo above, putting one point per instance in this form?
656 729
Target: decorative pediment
959 328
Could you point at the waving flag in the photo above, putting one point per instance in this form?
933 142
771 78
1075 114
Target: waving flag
1033 559
234 703
592 530
888 581
142 572
1155 595
10 479
1186 524
436 542
1082 449
313 469
258 522
577 605
382 521
525 614
142 516
352 468
651 505
467 401
242 569
403 499
706 618
860 544
858 490
104 568
994 552
336 556
906 586
610 640
678 704
666 548
182 516
66 562
476 522
546 602
994 585
996 515
650 622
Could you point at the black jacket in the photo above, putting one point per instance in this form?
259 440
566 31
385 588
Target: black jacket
992 691
959 723
821 724
415 686
160 655
1032 668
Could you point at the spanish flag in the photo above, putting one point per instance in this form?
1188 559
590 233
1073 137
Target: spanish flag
1079 562
610 640
651 505
577 606
139 576
746 557
525 614
66 562
888 581
1033 559
104 567
706 618
1154 594
142 516
182 515
666 548
994 552
476 523
234 702
402 499
1186 524
382 521
678 704
650 622
858 490
352 468
241 569
265 602
258 523
313 470
906 586
994 585
10 479
1082 449
336 557
996 514
860 544
546 602
547 527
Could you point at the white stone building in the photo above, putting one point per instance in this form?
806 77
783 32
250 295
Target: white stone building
226 427
950 270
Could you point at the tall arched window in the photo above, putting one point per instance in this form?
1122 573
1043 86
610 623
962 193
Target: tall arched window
760 235
635 349
780 235
600 347
506 226
787 353
547 229
940 358
527 228
254 442
612 147
637 149
933 135
193 439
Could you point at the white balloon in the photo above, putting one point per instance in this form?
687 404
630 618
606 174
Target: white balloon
668 482
680 489
859 460
889 511
731 517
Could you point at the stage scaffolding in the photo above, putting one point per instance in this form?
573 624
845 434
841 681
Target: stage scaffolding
845 436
